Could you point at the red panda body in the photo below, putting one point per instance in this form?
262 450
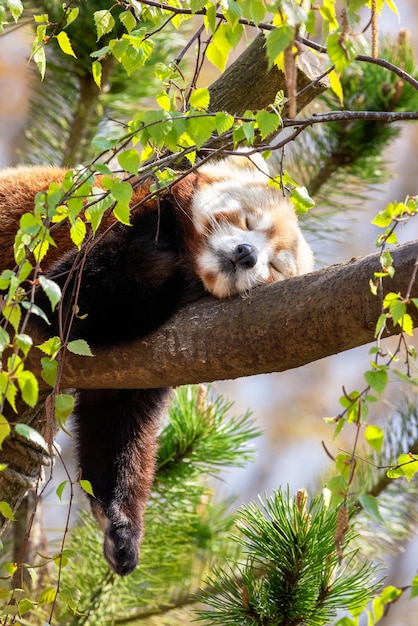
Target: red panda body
223 228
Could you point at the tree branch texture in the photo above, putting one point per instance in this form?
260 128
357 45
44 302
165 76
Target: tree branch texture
272 329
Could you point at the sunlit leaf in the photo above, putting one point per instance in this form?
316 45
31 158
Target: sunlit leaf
374 435
87 487
104 22
79 346
32 435
4 429
65 43
51 289
377 379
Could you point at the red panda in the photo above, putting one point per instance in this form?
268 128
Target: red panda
221 227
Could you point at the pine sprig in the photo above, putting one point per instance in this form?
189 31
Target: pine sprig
292 574
200 436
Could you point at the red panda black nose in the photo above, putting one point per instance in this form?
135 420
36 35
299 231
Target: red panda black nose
244 255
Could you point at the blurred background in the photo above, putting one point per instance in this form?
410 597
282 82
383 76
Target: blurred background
289 406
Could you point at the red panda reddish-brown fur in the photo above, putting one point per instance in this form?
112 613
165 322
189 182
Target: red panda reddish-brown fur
222 228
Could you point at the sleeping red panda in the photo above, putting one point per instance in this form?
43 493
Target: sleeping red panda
222 227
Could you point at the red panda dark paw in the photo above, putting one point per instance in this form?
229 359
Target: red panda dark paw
121 538
121 548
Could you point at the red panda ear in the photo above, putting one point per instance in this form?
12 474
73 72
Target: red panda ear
184 189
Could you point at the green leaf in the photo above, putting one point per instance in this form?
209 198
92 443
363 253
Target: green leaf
51 346
51 290
13 314
4 429
71 16
64 406
32 435
407 466
197 5
79 346
381 323
96 70
87 487
377 379
29 388
414 587
60 489
104 22
267 123
218 56
122 192
24 342
78 232
407 324
340 53
15 7
200 98
122 212
296 14
277 41
39 58
257 11
4 339
65 43
374 436
129 160
47 596
370 505
224 122
128 20
397 309
302 200
6 511
49 371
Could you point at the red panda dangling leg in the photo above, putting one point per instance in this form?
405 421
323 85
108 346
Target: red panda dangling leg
117 443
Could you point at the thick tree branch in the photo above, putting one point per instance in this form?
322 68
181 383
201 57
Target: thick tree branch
272 329
249 84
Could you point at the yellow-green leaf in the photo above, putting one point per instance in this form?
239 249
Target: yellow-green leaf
104 22
129 161
79 346
374 436
65 43
6 510
4 429
96 68
87 487
28 385
78 232
200 98
335 84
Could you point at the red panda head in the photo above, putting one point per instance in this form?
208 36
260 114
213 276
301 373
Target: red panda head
239 231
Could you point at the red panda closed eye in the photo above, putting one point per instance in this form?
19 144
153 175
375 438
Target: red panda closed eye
222 226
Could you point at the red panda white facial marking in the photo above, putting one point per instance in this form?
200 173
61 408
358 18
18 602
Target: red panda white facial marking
245 232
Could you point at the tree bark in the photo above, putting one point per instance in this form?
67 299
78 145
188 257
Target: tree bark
248 84
272 329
